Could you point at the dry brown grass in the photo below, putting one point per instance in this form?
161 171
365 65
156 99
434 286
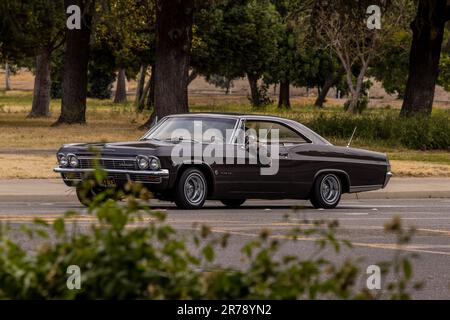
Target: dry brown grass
419 169
27 167
103 125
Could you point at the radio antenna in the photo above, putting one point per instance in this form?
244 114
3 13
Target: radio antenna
351 138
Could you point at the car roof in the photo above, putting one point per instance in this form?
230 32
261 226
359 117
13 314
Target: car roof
225 115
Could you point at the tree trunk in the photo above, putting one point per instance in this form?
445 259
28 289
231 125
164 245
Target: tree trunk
428 32
353 96
355 89
74 84
353 102
42 86
228 87
121 88
174 21
141 102
7 78
329 82
140 85
151 90
254 92
284 97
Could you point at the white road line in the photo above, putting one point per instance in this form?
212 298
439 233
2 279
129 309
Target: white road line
356 213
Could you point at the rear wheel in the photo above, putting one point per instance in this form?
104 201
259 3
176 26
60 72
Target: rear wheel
327 191
191 189
233 203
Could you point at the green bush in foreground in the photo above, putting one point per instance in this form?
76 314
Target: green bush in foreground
132 253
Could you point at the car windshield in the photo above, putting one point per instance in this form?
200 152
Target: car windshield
193 129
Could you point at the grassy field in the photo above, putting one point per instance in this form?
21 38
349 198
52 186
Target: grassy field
109 122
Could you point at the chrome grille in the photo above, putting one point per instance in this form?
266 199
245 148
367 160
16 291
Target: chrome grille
118 176
145 178
121 164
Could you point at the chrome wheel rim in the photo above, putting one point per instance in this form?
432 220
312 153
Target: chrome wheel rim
330 189
195 188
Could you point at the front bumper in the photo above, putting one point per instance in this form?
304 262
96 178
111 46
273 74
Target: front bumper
75 175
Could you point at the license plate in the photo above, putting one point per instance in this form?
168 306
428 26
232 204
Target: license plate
109 182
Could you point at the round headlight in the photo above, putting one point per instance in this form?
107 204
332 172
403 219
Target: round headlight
143 163
63 162
73 161
154 164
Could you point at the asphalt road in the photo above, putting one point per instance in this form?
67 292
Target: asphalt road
361 221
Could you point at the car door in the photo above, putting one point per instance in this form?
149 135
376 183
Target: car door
261 168
237 175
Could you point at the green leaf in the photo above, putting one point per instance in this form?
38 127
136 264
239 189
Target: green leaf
59 226
407 268
208 253
41 222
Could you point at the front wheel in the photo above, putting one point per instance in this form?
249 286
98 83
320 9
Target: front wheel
85 196
191 189
88 196
327 191
233 203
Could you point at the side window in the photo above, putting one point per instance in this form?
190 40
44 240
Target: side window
287 135
265 131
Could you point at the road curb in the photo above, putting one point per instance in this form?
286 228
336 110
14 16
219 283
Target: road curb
380 195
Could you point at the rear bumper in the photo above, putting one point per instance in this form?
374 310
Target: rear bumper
73 176
387 178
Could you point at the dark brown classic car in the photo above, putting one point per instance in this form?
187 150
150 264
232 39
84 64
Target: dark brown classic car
189 158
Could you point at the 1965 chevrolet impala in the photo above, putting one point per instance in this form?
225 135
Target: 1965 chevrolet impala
189 158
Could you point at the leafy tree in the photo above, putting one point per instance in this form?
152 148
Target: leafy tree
35 29
101 69
444 71
12 37
342 25
221 82
444 64
128 28
318 67
235 39
392 67
330 74
287 63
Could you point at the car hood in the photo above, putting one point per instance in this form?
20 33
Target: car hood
143 147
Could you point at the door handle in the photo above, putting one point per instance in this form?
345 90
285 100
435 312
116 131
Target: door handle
283 154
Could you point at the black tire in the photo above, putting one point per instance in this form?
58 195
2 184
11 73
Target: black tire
233 203
86 197
191 189
326 192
